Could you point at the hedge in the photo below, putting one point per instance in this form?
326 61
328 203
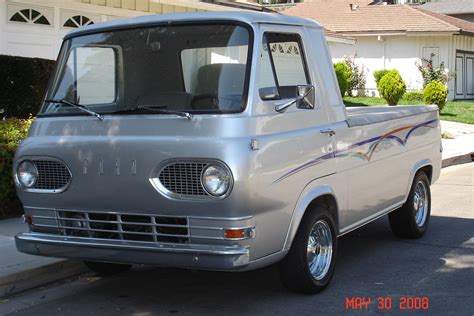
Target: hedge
413 96
12 131
23 83
343 75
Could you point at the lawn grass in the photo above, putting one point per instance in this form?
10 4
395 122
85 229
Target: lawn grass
456 111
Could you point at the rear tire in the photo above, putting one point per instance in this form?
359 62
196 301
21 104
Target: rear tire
309 265
412 219
105 268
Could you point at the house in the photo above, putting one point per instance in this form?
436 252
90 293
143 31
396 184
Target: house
461 9
35 28
397 36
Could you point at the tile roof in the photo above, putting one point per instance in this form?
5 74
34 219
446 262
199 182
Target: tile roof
450 6
464 25
337 16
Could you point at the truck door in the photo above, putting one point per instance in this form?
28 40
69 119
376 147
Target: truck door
293 152
285 61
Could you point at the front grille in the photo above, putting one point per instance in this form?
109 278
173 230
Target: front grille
124 226
52 175
183 178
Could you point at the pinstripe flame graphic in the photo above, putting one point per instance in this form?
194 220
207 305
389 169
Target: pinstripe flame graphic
364 155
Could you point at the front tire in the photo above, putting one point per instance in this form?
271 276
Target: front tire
309 265
412 219
105 268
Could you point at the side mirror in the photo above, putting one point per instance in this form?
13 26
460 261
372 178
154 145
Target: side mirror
305 99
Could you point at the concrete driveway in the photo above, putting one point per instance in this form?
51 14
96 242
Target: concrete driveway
371 264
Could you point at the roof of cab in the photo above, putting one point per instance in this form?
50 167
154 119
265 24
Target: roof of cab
238 16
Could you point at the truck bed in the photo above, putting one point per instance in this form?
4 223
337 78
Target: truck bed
359 116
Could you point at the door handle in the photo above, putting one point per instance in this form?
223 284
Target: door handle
328 131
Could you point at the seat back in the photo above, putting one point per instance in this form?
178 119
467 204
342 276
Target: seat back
221 79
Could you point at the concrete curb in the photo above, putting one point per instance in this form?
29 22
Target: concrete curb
457 160
29 279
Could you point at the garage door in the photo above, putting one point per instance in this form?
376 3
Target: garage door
465 75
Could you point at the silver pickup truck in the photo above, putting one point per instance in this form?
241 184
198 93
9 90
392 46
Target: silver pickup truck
215 141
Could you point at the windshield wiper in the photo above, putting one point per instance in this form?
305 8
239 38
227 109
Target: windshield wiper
77 106
158 109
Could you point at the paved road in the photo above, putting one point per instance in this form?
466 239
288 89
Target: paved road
372 263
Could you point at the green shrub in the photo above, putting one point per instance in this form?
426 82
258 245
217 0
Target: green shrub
378 74
12 131
413 96
344 76
392 87
435 93
23 84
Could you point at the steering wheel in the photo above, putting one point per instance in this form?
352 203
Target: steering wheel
198 101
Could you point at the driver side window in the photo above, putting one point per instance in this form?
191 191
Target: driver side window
283 66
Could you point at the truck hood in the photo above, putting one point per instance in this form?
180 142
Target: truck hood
112 161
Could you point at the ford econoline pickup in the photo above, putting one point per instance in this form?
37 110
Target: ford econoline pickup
215 141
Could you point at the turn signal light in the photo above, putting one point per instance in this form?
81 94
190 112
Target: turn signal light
234 233
27 219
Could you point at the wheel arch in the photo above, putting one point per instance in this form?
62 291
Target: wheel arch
424 165
321 195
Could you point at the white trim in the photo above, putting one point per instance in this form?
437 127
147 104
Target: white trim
340 40
82 7
407 33
432 33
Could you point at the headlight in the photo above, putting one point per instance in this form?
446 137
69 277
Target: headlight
27 174
216 180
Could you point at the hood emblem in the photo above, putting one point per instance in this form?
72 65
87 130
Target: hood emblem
117 167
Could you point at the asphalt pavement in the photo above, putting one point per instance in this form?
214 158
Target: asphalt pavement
434 274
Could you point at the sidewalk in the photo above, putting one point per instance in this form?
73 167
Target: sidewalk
461 148
19 272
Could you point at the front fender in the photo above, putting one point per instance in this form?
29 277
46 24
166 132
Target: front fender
309 194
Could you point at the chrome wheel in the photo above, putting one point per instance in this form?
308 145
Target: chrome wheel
420 203
319 250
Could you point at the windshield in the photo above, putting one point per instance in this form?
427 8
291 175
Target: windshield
191 68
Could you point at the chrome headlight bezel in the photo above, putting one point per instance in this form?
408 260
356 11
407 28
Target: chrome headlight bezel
43 174
167 190
222 173
23 168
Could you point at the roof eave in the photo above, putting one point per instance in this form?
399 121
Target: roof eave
401 33
466 33
372 33
433 33
341 40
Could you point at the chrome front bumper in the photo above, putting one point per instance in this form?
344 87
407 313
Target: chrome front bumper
208 257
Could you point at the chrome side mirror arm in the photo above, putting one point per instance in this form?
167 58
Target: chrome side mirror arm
280 108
